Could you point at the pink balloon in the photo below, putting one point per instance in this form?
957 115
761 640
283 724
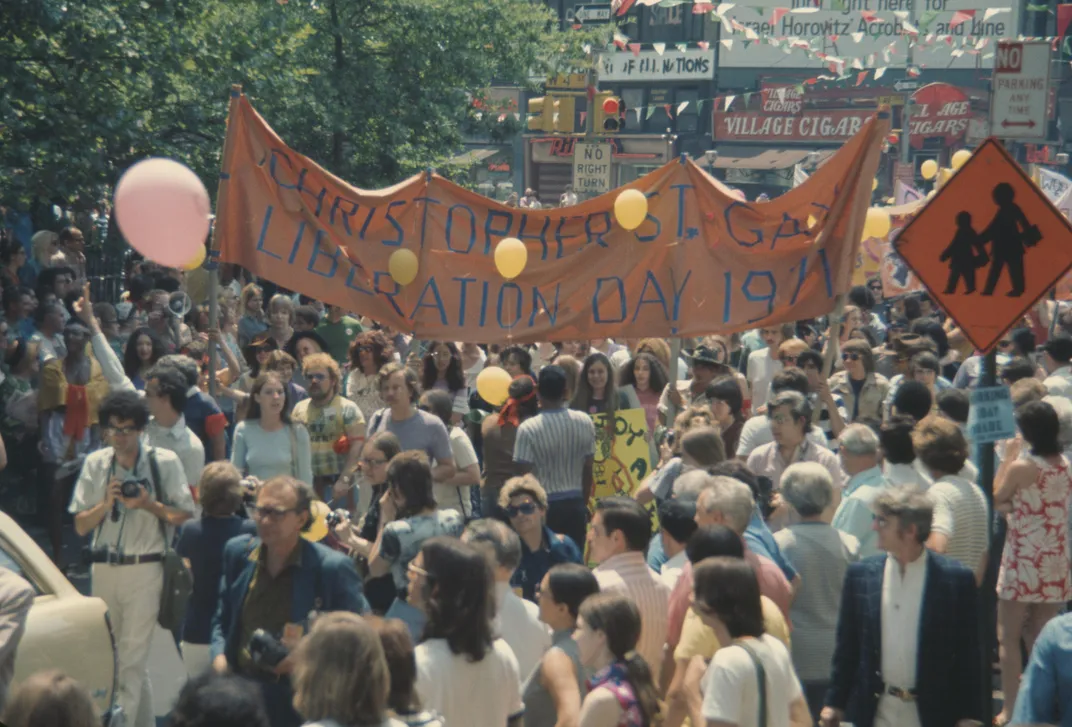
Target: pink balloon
163 211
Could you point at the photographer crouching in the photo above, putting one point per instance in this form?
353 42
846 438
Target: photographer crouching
125 497
273 587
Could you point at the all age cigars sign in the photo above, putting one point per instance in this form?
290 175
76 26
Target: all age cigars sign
702 262
676 65
807 126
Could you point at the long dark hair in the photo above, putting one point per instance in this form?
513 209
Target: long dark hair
258 384
617 617
728 587
377 343
457 596
131 363
249 353
582 396
455 377
657 380
410 475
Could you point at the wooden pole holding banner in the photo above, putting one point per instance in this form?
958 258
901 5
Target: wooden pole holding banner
671 377
212 259
833 346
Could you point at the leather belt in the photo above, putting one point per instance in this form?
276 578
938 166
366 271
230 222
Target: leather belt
905 695
115 559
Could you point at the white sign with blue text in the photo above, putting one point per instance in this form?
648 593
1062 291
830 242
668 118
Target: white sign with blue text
991 418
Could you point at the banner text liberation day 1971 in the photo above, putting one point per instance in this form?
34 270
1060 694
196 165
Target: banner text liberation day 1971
702 262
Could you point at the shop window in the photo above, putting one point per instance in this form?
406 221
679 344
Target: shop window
633 99
666 25
658 122
688 121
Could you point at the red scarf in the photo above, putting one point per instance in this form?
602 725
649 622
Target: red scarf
76 420
511 410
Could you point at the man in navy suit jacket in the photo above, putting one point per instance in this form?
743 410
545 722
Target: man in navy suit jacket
907 652
278 582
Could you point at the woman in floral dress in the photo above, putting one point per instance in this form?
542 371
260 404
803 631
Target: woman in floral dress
1034 581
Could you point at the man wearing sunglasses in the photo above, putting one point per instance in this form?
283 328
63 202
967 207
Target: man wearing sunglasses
336 430
525 503
127 537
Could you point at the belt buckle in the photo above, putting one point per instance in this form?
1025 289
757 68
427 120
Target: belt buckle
113 558
905 695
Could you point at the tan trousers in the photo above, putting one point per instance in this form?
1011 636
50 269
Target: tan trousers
132 594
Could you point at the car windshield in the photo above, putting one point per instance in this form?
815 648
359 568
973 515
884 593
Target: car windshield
8 561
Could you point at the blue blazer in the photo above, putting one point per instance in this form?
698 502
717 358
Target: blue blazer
949 680
325 581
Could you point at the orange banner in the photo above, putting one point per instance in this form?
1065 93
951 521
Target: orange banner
702 262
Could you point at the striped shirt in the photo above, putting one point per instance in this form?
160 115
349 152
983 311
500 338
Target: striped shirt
557 443
628 573
960 514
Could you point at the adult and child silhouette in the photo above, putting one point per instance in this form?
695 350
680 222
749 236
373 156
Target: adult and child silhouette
1010 234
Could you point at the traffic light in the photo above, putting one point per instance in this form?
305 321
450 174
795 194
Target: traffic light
541 114
609 113
563 114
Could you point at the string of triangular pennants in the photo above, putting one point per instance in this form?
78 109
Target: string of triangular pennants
913 36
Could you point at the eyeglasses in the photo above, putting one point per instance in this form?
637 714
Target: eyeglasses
123 430
417 570
373 462
525 508
787 360
273 513
1004 344
316 377
850 357
364 349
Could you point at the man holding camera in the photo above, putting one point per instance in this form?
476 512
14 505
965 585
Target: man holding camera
273 586
125 497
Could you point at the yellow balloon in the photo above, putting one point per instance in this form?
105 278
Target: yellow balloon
929 169
197 260
631 208
493 385
318 529
960 158
874 184
511 255
812 222
402 265
877 223
944 175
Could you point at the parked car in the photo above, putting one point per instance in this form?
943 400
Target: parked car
65 630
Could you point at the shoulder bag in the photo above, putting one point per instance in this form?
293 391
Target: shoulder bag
178 581
761 677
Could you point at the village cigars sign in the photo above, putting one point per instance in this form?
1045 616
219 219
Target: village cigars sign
807 126
702 261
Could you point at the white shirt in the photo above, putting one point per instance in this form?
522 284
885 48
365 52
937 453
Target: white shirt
1059 383
486 693
671 570
756 432
474 371
180 440
518 621
762 367
961 515
449 496
136 532
731 684
902 602
629 574
905 474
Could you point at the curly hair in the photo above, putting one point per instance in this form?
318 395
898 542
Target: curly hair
377 343
457 596
657 379
131 363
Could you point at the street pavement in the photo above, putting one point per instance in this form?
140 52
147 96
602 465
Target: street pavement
166 670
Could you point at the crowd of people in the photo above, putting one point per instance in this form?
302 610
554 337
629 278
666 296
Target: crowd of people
373 543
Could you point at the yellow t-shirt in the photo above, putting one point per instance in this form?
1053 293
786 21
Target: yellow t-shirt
698 639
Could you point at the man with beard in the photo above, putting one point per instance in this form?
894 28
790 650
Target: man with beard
336 430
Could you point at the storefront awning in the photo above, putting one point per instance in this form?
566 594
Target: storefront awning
765 159
473 156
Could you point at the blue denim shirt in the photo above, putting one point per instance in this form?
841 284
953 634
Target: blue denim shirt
1046 690
760 540
535 564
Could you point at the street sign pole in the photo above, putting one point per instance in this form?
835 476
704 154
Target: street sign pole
908 88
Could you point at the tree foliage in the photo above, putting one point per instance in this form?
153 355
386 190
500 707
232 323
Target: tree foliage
372 89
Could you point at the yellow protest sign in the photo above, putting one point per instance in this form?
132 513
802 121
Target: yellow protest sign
623 455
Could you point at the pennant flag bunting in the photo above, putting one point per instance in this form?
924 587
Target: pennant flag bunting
961 16
861 77
991 12
901 14
908 29
724 8
727 43
651 110
635 48
703 44
729 100
659 48
681 107
685 46
868 16
778 14
880 72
